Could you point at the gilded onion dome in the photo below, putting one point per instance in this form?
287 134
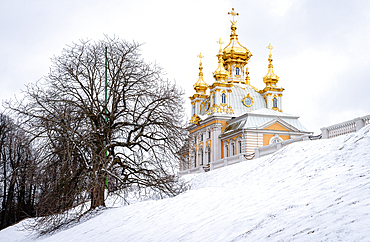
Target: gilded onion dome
200 86
234 50
220 74
271 78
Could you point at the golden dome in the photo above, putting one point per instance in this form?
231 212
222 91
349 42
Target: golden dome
200 86
220 74
271 78
234 50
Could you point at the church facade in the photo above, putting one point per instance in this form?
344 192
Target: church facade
230 117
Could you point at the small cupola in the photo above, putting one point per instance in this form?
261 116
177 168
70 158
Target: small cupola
200 86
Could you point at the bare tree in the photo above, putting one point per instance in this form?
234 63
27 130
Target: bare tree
17 180
90 137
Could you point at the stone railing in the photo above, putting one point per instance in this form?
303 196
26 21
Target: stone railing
194 170
344 128
227 161
269 149
215 164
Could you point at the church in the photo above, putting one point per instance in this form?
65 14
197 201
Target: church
230 117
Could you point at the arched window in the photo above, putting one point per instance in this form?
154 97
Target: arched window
237 71
209 155
223 98
233 149
184 163
195 158
187 163
274 102
226 150
275 139
240 147
209 134
201 157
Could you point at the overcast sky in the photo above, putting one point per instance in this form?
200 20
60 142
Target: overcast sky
321 52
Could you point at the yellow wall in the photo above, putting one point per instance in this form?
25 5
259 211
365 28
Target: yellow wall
276 126
222 150
230 151
267 137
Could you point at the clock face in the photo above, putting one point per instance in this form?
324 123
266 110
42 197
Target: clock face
248 101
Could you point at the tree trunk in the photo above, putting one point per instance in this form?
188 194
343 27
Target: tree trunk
97 195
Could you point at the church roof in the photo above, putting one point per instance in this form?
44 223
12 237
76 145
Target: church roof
262 118
239 92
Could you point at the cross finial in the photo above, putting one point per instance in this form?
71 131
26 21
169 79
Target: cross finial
270 47
233 14
220 42
200 57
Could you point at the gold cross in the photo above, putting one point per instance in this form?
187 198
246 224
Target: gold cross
220 42
233 14
270 47
200 57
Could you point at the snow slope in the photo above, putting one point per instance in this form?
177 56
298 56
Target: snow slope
307 191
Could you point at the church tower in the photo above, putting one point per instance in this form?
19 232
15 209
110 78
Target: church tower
272 94
221 89
199 100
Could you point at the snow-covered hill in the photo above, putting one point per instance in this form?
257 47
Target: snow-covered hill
307 191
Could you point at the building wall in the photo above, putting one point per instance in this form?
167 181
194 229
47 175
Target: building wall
248 139
267 137
253 140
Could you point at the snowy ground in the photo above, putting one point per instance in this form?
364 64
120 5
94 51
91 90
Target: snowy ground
308 191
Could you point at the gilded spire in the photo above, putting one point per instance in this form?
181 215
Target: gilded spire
220 42
234 54
200 85
234 43
270 79
247 79
233 22
220 73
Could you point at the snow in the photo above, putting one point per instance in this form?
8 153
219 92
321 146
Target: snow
307 191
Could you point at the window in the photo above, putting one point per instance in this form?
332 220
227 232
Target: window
214 100
209 155
201 137
227 150
223 98
209 134
195 159
240 147
237 71
274 102
275 139
195 139
233 148
201 157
